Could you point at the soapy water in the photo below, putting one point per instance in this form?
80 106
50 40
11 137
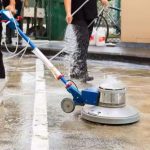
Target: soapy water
111 82
76 45
70 46
75 50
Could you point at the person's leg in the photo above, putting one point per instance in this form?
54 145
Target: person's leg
19 9
2 69
79 56
19 37
90 28
8 35
8 30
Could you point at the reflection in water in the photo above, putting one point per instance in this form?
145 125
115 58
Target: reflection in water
13 79
16 107
9 123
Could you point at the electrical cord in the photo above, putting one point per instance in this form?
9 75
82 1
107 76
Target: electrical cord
73 83
17 36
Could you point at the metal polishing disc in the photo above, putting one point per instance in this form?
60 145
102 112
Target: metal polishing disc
105 115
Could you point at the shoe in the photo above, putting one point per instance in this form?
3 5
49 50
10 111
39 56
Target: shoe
82 79
74 76
87 78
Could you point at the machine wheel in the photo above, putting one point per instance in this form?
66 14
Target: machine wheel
67 105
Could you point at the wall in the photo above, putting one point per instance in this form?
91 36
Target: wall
135 21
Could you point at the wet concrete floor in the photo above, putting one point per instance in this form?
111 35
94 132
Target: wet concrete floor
70 131
16 105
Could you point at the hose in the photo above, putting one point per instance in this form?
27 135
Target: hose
23 51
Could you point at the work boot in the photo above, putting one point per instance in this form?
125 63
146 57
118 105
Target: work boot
74 76
87 78
83 79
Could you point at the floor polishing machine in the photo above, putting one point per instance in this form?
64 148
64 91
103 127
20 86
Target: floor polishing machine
105 104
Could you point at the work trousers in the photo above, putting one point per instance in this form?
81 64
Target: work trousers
78 63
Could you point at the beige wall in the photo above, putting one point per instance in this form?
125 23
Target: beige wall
135 21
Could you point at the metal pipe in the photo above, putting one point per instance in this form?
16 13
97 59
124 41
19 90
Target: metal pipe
79 7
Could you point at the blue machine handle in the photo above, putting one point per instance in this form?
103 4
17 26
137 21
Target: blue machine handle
13 24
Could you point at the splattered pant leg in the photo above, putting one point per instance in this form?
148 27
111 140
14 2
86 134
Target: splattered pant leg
2 69
79 56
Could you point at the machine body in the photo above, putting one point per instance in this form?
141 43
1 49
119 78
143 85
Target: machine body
105 104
